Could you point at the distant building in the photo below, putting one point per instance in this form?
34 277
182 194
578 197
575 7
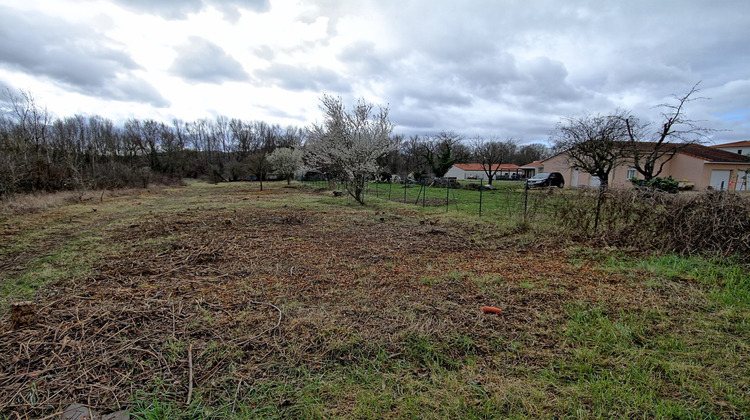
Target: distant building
475 171
701 165
532 168
739 147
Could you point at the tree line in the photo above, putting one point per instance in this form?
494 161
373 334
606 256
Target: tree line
40 152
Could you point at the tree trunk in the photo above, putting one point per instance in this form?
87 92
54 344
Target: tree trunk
599 201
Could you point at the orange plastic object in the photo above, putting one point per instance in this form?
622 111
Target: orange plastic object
491 310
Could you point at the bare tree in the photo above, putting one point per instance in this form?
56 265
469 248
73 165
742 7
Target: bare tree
40 152
264 141
242 138
291 137
413 156
350 142
650 149
593 143
530 152
31 125
492 153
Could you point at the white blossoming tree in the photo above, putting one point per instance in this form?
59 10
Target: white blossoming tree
349 143
286 162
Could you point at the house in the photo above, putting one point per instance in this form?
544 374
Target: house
532 168
703 166
739 147
475 171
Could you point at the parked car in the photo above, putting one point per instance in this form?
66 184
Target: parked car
546 179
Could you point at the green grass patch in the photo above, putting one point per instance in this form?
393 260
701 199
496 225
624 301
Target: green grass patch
73 260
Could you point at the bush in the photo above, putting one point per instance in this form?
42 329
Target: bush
710 222
667 184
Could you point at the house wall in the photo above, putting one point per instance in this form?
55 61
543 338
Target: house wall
619 176
699 172
735 172
509 172
681 167
458 173
461 174
684 167
560 164
745 150
454 172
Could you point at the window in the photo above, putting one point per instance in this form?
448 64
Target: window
739 152
631 173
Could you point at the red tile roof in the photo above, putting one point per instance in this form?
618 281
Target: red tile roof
699 151
712 155
480 167
534 164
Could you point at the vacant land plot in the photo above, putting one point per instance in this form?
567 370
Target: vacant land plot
223 301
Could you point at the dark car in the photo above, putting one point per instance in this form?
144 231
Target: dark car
546 179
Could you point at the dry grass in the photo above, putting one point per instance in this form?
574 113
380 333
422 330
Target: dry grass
379 312
34 203
712 222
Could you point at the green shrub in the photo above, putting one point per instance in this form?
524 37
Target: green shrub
667 184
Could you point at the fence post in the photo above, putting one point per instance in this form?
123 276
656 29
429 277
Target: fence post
390 187
447 192
525 200
480 198
424 194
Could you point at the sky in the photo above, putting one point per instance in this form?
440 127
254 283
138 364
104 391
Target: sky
494 68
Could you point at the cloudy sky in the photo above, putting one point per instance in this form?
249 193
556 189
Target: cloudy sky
491 68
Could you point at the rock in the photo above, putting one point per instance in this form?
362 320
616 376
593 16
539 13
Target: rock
81 412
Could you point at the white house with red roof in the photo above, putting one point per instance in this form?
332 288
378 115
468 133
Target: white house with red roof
739 147
476 171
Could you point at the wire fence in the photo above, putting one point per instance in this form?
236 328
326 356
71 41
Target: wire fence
714 222
506 199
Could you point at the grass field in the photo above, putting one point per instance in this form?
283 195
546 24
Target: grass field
221 301
506 201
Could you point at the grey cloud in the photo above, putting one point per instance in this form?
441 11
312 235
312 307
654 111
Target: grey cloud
299 78
414 120
629 51
166 9
75 56
434 95
180 9
41 44
264 52
201 61
126 86
368 63
282 113
546 80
